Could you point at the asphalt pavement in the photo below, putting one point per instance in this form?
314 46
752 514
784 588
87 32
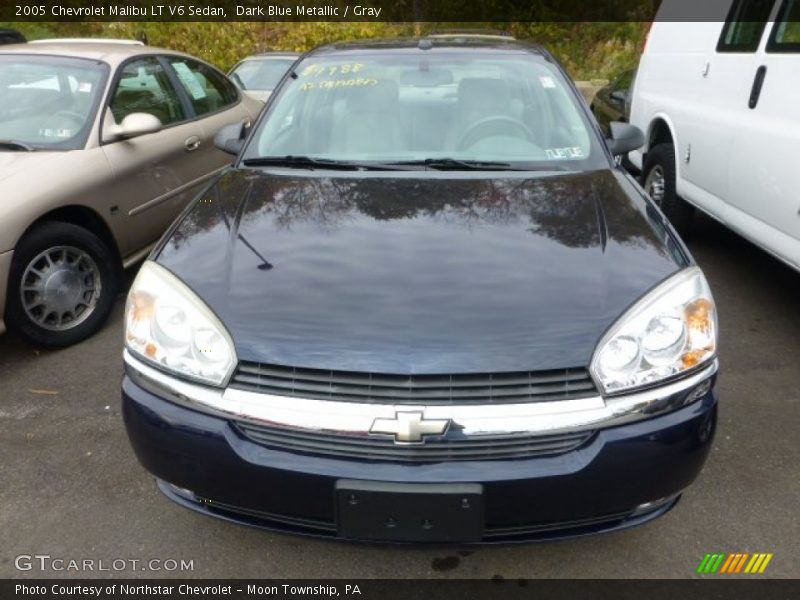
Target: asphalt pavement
71 488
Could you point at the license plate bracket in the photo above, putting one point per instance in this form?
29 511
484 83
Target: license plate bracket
409 512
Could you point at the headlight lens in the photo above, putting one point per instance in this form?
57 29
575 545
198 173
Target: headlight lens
670 330
167 324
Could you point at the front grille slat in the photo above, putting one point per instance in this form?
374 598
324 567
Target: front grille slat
349 386
405 381
436 450
428 451
454 443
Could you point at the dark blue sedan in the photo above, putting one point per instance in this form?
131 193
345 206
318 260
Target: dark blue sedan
424 305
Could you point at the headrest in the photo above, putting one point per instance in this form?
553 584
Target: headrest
482 92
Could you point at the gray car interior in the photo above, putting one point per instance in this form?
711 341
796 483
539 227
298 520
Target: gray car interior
423 115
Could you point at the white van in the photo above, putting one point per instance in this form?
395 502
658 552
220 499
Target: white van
720 107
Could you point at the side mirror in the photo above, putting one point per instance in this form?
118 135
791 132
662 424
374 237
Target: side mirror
136 124
624 138
619 95
230 138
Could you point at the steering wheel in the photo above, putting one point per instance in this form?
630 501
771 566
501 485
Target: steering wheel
465 141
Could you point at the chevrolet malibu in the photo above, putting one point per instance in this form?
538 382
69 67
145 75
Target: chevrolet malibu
102 144
424 305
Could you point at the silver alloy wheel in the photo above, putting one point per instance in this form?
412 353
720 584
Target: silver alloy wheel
60 288
655 183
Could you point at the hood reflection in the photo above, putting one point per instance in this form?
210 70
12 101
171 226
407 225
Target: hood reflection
418 274
578 211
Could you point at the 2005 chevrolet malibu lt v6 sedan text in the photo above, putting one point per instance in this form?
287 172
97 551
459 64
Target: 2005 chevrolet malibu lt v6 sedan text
424 305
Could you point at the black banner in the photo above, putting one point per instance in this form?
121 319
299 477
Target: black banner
463 589
462 11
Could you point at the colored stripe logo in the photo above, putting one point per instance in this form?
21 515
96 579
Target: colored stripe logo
736 562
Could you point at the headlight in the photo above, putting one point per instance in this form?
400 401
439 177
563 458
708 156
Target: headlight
671 330
168 325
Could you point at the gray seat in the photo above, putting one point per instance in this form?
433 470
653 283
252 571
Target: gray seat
370 121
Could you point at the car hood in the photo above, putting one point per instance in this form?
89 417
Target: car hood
409 274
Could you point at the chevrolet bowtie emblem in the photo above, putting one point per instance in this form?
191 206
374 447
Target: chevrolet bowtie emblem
409 426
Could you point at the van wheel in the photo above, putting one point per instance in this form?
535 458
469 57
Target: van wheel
658 178
62 285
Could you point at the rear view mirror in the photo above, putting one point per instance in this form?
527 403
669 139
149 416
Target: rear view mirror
230 138
427 77
624 138
136 124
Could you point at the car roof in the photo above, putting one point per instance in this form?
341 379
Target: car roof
270 56
110 51
273 54
470 42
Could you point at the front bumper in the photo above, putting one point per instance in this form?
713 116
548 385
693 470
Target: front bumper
621 476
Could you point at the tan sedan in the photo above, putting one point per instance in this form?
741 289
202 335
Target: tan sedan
102 144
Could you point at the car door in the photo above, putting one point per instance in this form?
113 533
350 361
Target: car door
216 101
723 79
153 173
765 160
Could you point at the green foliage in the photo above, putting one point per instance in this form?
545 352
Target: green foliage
587 50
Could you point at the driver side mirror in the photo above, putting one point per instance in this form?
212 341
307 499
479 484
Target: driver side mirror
134 125
230 138
619 95
624 138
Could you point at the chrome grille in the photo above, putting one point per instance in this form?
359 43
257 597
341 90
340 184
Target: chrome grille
348 386
438 449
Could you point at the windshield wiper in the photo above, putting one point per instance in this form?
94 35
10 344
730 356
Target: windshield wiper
308 162
16 145
453 164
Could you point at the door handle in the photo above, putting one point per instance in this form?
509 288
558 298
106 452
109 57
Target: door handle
758 82
193 143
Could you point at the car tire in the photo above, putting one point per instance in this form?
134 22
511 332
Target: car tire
62 285
658 181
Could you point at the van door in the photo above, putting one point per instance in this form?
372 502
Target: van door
725 77
764 170
151 171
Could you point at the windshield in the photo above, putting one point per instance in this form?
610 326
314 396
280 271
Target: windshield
261 74
514 110
48 102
